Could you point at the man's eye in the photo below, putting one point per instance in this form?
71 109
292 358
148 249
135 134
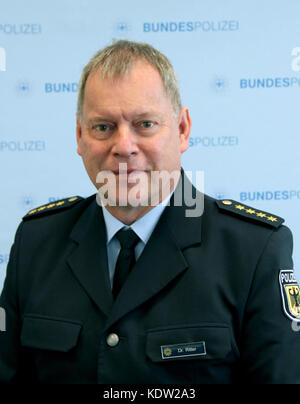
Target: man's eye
102 127
147 124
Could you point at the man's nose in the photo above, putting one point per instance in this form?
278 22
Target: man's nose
125 142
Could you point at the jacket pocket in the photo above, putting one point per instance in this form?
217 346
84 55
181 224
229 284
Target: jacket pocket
47 333
198 342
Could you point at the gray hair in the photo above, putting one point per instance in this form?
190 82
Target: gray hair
116 60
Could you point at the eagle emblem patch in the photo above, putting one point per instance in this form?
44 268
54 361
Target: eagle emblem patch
290 293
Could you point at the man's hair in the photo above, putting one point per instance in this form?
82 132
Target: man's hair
116 60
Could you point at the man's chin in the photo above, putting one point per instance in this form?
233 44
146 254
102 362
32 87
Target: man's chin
132 199
135 189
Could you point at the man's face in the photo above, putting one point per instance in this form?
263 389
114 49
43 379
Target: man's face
130 120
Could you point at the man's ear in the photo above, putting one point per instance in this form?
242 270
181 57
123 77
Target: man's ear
185 125
78 134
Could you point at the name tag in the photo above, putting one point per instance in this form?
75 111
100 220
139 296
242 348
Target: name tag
183 350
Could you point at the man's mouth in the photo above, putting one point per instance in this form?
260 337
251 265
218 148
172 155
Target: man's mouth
124 172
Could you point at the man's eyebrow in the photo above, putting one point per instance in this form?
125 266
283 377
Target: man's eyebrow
147 115
108 118
97 119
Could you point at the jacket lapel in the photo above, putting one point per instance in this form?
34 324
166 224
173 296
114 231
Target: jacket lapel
88 259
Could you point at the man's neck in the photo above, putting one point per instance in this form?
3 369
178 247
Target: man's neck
128 214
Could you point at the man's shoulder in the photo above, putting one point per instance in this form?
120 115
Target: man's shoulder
244 213
62 205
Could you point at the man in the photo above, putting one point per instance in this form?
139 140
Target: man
177 297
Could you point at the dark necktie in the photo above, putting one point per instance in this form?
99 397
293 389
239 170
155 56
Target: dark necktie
126 259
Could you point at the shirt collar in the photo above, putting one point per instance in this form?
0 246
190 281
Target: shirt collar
143 227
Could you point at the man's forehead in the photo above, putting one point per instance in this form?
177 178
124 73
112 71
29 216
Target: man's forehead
140 89
139 92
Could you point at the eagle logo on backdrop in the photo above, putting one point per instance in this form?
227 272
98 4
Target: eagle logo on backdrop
290 293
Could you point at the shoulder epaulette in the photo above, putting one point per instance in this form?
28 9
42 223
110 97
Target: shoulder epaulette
52 206
250 213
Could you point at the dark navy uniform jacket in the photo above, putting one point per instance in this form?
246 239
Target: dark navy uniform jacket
204 303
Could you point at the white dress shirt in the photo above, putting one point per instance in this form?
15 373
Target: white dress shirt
143 227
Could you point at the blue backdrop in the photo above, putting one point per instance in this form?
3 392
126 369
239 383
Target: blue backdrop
238 63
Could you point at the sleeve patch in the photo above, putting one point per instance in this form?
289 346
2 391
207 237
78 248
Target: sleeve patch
290 294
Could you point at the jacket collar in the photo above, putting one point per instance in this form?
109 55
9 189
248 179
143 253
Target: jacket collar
186 231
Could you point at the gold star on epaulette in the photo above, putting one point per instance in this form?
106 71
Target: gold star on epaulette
273 219
260 214
248 212
251 211
50 207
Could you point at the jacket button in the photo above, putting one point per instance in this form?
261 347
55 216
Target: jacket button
112 340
